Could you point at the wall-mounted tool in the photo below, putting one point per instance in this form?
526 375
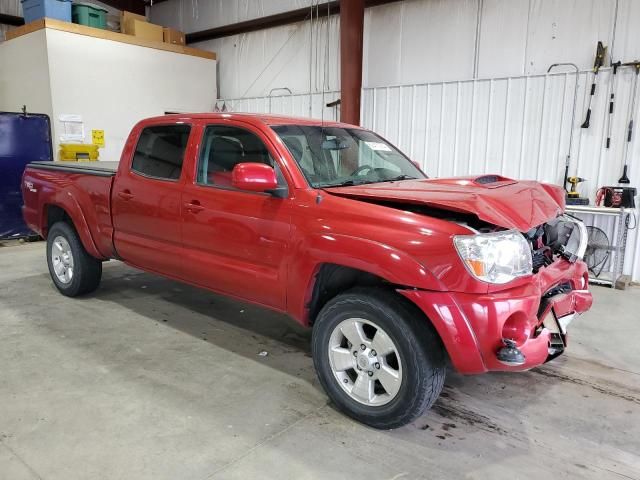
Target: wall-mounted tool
612 101
624 178
573 115
573 197
601 52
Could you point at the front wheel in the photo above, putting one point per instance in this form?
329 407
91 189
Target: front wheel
379 361
73 271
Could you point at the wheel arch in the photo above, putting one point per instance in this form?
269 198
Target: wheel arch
325 265
331 280
70 213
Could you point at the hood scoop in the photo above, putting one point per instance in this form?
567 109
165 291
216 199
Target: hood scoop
487 181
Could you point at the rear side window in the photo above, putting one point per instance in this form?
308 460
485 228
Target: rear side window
160 151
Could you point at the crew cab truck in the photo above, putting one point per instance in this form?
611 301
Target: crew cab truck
396 273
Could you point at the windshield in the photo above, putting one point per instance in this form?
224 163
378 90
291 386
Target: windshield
330 156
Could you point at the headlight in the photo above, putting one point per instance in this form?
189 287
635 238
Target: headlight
495 257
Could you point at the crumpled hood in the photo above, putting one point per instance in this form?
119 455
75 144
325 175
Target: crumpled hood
507 203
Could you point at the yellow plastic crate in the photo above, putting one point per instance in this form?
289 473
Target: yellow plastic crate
73 152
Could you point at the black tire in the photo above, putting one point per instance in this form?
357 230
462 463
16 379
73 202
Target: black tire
87 270
418 345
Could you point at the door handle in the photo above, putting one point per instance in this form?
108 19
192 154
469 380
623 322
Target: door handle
125 195
193 206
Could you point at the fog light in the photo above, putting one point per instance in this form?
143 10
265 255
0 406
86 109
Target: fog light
509 354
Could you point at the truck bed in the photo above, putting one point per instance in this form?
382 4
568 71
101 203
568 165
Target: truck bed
81 190
102 169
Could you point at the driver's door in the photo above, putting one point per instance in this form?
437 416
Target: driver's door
236 240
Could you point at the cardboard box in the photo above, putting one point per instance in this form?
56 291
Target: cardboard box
174 36
129 15
144 30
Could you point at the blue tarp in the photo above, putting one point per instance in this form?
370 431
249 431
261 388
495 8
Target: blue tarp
23 139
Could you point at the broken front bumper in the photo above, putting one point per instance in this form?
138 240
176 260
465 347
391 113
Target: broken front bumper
535 315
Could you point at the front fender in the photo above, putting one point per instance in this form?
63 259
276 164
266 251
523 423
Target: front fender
369 256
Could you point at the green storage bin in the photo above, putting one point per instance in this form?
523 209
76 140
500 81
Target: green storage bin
89 15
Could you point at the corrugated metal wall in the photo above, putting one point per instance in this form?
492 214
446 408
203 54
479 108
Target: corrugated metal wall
515 126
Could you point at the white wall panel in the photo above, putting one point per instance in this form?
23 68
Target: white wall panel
252 64
382 44
115 85
309 106
567 29
9 7
27 81
627 40
437 34
194 15
504 23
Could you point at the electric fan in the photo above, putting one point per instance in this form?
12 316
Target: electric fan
598 248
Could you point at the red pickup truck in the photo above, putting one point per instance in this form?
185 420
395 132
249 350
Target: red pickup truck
395 272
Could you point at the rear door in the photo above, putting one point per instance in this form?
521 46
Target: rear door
236 241
146 200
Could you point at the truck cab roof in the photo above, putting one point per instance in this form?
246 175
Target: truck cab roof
253 118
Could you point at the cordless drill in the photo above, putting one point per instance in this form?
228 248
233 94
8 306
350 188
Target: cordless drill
573 197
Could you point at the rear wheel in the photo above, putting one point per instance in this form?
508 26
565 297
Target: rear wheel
379 361
73 271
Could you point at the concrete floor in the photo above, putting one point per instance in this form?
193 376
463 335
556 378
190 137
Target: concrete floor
150 379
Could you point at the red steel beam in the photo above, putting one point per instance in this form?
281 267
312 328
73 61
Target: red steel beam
351 34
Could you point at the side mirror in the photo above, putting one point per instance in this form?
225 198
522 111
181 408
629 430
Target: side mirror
254 177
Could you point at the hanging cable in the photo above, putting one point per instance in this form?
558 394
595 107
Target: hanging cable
194 9
311 61
317 57
326 64
613 34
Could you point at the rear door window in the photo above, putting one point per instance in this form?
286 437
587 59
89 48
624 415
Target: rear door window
160 151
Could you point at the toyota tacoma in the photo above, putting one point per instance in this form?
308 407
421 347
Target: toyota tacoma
397 274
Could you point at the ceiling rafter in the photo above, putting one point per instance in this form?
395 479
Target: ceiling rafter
135 6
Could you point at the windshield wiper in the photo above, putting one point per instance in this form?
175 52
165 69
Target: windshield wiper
346 183
351 183
399 177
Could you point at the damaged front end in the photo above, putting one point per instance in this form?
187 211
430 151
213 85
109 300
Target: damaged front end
563 298
563 237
